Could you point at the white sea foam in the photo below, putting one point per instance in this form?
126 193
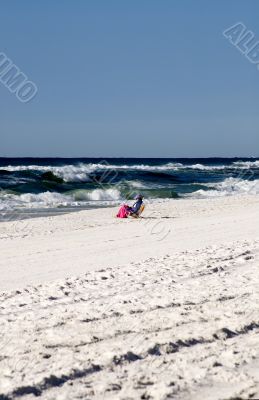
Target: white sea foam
97 195
9 201
230 186
246 164
202 167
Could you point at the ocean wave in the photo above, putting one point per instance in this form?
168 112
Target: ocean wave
86 172
96 195
83 172
247 164
69 173
201 167
9 201
229 187
135 184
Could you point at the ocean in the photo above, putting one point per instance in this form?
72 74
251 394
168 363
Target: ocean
46 186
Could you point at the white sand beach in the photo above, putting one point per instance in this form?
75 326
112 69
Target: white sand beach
163 307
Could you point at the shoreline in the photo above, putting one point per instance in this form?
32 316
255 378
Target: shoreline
35 213
31 213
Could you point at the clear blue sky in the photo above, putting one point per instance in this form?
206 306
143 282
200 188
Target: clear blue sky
130 78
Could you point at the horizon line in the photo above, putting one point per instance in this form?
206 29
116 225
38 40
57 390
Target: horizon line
123 157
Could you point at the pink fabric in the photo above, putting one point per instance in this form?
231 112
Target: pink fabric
123 212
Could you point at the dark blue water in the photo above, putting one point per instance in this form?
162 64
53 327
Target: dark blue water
58 184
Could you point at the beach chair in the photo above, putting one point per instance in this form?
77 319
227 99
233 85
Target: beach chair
140 211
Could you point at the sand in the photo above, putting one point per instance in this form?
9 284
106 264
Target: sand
93 307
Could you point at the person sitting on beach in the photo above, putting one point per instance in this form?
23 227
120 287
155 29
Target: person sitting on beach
133 211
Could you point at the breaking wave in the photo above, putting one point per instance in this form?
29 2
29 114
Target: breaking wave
229 187
53 199
82 172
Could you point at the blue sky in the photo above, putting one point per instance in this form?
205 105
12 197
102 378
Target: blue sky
146 78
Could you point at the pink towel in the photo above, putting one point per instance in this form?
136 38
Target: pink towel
123 211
